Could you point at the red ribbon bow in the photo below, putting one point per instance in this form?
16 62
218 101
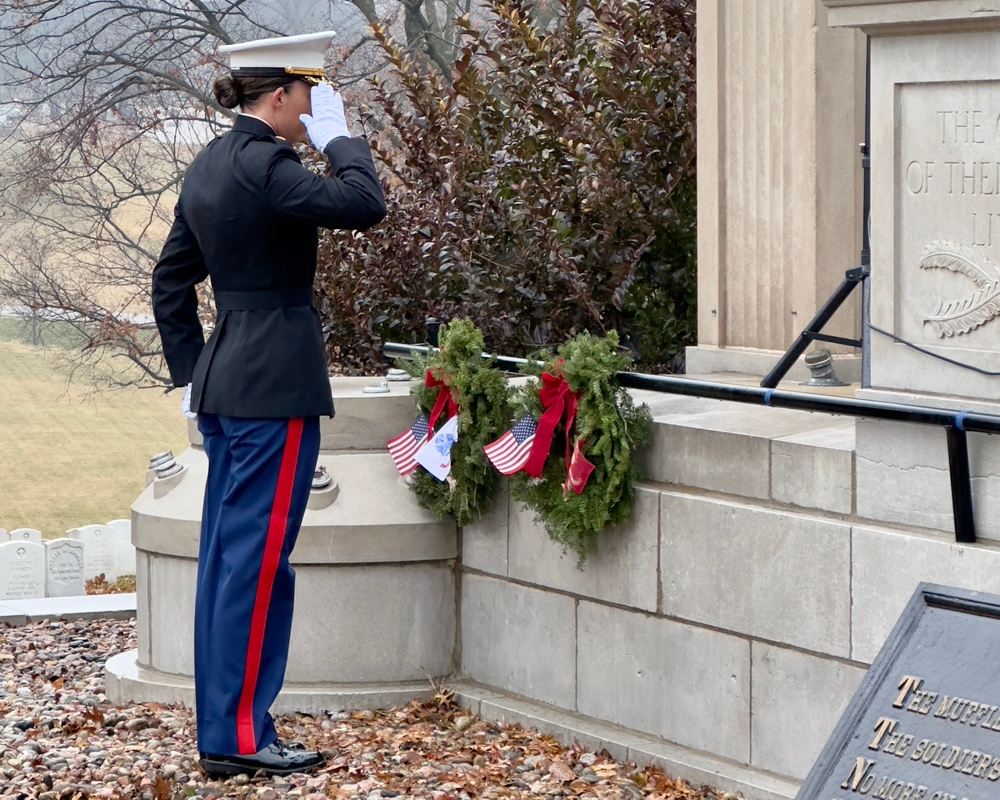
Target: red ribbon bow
443 397
558 403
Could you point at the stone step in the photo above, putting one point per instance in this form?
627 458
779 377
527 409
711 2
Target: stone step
798 458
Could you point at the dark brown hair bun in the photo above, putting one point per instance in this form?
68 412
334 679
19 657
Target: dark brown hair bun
226 91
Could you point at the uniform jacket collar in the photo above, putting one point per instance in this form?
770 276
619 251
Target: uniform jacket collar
253 126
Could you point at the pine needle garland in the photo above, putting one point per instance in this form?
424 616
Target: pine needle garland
483 413
609 427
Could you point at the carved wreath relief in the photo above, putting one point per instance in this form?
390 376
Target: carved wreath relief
965 314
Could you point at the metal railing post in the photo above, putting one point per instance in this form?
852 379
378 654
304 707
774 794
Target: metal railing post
961 485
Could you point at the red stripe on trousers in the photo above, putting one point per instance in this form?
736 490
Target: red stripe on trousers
245 735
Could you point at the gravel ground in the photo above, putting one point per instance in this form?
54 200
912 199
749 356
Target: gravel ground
60 739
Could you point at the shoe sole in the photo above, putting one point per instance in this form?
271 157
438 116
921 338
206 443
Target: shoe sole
225 769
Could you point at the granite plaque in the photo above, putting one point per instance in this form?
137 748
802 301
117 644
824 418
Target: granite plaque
925 722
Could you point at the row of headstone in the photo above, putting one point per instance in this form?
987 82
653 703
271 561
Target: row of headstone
31 567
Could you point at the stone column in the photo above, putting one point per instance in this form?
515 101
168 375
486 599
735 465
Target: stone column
780 117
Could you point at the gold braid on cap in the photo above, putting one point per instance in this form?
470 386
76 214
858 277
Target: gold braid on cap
308 74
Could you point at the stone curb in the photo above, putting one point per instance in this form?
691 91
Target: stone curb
90 606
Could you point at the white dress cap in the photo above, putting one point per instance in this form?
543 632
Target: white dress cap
302 55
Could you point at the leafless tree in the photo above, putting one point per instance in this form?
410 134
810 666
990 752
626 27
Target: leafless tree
103 103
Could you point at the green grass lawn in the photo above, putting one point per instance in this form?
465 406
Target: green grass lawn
71 455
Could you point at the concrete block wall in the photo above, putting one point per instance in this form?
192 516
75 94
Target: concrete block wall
728 617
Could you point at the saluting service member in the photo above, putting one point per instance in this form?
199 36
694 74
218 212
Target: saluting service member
247 217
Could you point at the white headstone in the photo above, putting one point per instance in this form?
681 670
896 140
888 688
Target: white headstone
99 543
64 568
124 549
22 570
26 535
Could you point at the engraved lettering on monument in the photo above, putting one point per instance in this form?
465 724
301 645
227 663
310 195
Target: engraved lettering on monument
925 722
22 570
64 568
948 178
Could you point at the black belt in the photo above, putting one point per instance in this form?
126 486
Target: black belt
264 299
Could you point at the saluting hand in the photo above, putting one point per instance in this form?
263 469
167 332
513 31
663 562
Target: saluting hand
327 121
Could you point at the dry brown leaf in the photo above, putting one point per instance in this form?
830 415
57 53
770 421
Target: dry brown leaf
561 772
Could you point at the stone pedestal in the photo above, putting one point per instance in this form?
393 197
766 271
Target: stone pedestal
375 588
780 117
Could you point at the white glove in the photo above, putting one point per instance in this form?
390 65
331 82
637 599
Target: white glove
327 121
186 404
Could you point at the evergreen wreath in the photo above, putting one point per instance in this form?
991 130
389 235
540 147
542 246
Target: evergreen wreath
483 411
608 427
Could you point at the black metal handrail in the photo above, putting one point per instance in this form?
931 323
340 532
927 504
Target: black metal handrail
957 423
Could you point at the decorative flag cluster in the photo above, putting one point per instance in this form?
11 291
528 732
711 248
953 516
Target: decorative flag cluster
419 445
524 447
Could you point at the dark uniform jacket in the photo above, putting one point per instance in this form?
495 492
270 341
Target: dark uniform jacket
247 216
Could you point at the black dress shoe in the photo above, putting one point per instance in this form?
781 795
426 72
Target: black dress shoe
277 758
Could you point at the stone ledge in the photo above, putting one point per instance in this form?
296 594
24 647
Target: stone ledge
624 744
723 446
375 519
906 16
748 362
126 682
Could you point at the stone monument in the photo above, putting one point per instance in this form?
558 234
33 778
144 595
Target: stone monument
25 535
22 570
124 549
935 242
64 568
935 184
100 547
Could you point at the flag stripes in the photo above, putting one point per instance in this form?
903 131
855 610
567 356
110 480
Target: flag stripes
510 452
403 448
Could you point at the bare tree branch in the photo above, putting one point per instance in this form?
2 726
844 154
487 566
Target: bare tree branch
103 103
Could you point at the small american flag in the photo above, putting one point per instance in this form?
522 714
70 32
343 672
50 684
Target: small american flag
404 447
509 453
